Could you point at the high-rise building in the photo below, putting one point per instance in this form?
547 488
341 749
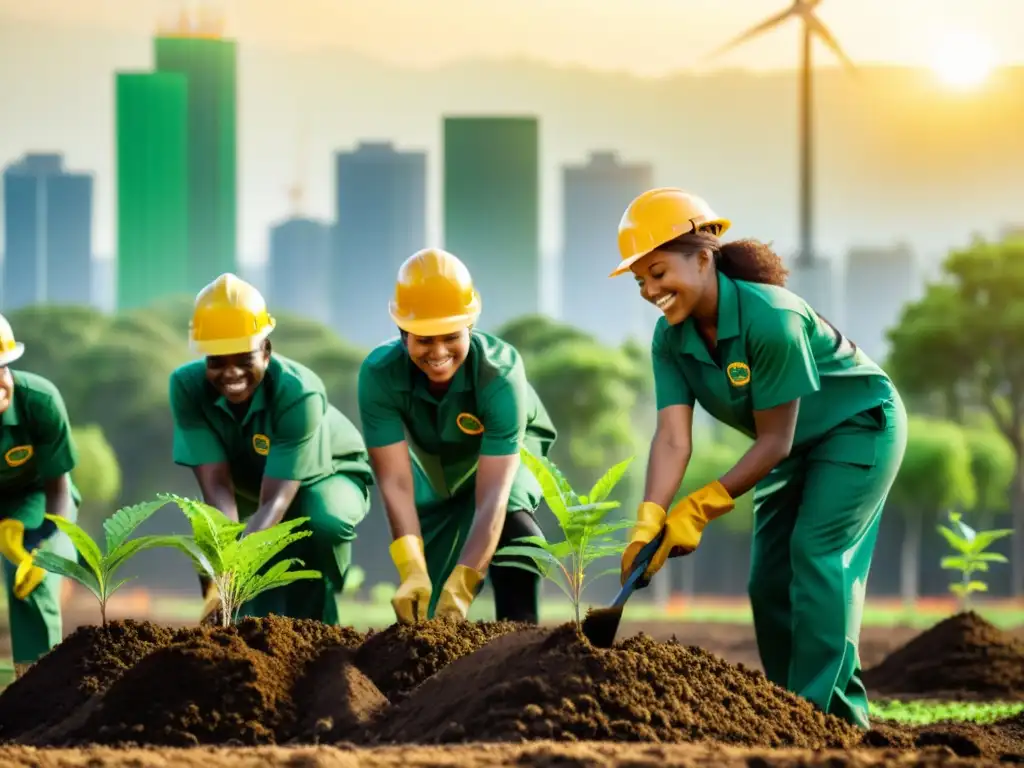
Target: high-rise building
381 220
196 49
492 210
879 282
300 259
152 188
594 196
48 214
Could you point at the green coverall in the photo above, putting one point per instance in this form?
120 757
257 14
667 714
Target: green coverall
290 432
35 446
445 438
817 513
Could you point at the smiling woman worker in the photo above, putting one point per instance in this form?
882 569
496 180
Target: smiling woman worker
445 410
265 445
37 455
829 433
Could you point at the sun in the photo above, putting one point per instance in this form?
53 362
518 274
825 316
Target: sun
961 60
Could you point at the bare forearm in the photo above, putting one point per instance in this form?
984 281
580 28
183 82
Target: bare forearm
666 466
762 457
217 489
484 534
276 496
400 508
58 497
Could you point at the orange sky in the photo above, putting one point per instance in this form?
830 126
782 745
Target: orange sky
647 37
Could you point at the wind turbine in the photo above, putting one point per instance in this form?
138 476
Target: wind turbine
804 10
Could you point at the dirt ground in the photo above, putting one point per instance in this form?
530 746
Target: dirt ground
610 696
733 642
544 754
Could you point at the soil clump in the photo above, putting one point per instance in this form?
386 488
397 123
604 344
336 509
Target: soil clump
399 658
541 684
335 701
84 665
214 686
1002 740
962 658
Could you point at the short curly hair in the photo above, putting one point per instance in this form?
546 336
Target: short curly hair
748 260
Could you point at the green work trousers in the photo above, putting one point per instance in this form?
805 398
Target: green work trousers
445 526
35 622
328 550
816 520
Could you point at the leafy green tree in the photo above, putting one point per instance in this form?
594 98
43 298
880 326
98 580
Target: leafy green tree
992 466
964 342
97 475
934 478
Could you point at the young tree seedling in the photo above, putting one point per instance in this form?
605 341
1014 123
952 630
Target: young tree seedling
581 520
970 557
97 575
235 564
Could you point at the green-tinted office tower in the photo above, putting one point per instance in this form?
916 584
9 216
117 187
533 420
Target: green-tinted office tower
208 63
491 210
152 187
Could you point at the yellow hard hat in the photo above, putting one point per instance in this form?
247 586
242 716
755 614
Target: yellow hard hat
10 350
658 216
434 294
230 318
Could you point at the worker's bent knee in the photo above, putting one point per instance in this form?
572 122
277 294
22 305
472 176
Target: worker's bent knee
334 507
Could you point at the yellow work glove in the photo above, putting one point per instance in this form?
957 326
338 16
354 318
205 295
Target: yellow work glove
650 518
211 605
12 546
459 591
27 578
412 599
686 520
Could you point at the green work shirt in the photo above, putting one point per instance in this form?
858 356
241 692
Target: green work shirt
289 432
772 349
35 442
489 409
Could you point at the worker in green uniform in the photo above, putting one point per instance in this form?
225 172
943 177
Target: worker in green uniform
265 445
445 409
829 431
37 454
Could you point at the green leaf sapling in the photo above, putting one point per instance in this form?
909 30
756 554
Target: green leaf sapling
581 519
236 565
970 556
99 569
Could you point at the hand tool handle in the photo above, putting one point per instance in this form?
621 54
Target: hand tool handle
640 563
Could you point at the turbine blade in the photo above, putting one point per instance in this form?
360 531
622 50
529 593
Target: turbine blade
818 27
764 26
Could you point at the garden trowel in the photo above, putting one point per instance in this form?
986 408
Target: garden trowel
601 624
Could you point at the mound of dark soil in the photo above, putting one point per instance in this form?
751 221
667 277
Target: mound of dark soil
334 700
214 686
85 664
1002 741
399 658
963 657
554 685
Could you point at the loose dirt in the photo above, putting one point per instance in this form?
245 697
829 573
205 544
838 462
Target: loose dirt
402 656
279 681
214 686
961 658
85 664
541 754
554 685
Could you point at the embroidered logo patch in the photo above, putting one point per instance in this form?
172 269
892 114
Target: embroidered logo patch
739 374
261 444
469 424
18 455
